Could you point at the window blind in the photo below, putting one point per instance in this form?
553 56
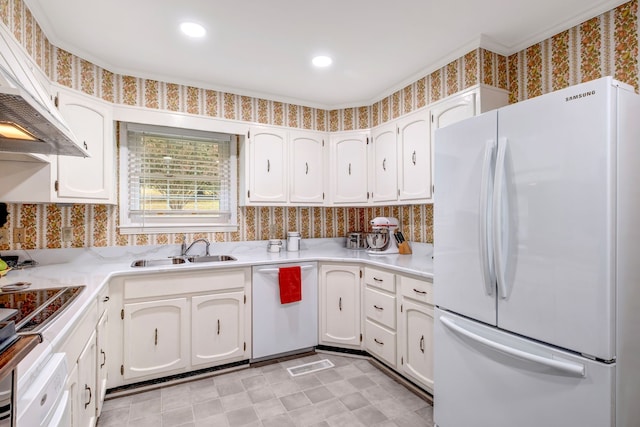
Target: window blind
178 174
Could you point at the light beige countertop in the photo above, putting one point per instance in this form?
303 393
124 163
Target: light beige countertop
93 267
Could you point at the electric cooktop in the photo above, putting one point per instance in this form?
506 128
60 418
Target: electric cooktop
36 307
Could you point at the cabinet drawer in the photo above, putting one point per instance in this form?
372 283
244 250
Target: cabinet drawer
381 342
380 279
158 285
380 307
416 289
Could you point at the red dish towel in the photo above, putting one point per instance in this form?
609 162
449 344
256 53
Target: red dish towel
290 282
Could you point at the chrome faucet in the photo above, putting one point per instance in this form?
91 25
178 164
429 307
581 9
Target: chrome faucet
185 249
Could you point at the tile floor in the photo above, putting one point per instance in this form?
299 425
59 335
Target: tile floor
353 393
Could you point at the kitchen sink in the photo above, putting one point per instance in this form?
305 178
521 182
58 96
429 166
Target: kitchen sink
181 260
158 262
211 258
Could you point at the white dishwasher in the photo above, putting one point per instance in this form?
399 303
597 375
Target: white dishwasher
280 329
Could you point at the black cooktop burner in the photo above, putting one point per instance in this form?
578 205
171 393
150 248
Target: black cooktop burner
38 306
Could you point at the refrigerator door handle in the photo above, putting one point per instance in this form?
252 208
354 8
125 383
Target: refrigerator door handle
485 235
571 368
500 223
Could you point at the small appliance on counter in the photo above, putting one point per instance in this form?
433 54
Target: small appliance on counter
380 240
356 240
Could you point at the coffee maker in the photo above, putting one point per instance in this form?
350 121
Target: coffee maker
380 240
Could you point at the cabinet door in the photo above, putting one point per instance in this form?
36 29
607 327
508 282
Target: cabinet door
73 388
101 366
349 168
217 328
87 384
90 178
156 337
453 110
416 342
306 167
384 164
414 153
267 165
340 305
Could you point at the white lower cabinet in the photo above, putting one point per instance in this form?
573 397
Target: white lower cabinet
175 322
87 383
101 363
398 323
340 305
217 327
81 353
415 350
155 337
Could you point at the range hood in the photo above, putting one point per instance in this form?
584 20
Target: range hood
26 105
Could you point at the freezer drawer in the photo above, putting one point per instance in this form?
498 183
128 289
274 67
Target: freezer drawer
485 377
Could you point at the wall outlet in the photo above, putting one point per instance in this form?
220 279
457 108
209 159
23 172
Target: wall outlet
67 234
4 236
18 235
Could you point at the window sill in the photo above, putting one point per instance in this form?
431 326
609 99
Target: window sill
172 229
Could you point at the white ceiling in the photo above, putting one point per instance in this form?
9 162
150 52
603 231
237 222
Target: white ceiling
264 48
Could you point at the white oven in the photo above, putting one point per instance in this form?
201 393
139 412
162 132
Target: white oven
45 402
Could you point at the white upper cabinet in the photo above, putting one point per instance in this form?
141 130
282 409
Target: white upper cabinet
280 167
414 157
348 166
90 179
306 167
266 173
384 168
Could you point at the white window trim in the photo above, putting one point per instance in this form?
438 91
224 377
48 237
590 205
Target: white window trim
126 226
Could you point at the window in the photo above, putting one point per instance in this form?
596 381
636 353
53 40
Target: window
176 180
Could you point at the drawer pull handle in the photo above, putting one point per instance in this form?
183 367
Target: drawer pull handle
378 280
378 342
384 164
378 308
422 344
306 168
105 299
349 168
340 303
156 337
104 358
413 157
218 326
419 292
87 388
268 166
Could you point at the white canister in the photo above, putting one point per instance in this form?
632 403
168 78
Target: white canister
274 245
293 241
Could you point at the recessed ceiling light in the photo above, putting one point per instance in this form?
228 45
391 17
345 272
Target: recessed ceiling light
321 61
192 29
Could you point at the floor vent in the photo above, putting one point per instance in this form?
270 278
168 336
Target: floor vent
308 368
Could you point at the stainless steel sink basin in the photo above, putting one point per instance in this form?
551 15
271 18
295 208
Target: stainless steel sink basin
211 258
157 262
181 260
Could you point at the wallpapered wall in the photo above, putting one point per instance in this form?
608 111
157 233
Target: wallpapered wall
607 44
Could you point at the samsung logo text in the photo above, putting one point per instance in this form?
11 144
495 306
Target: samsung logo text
580 95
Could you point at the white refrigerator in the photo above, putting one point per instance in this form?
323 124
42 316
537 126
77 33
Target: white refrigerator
537 262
